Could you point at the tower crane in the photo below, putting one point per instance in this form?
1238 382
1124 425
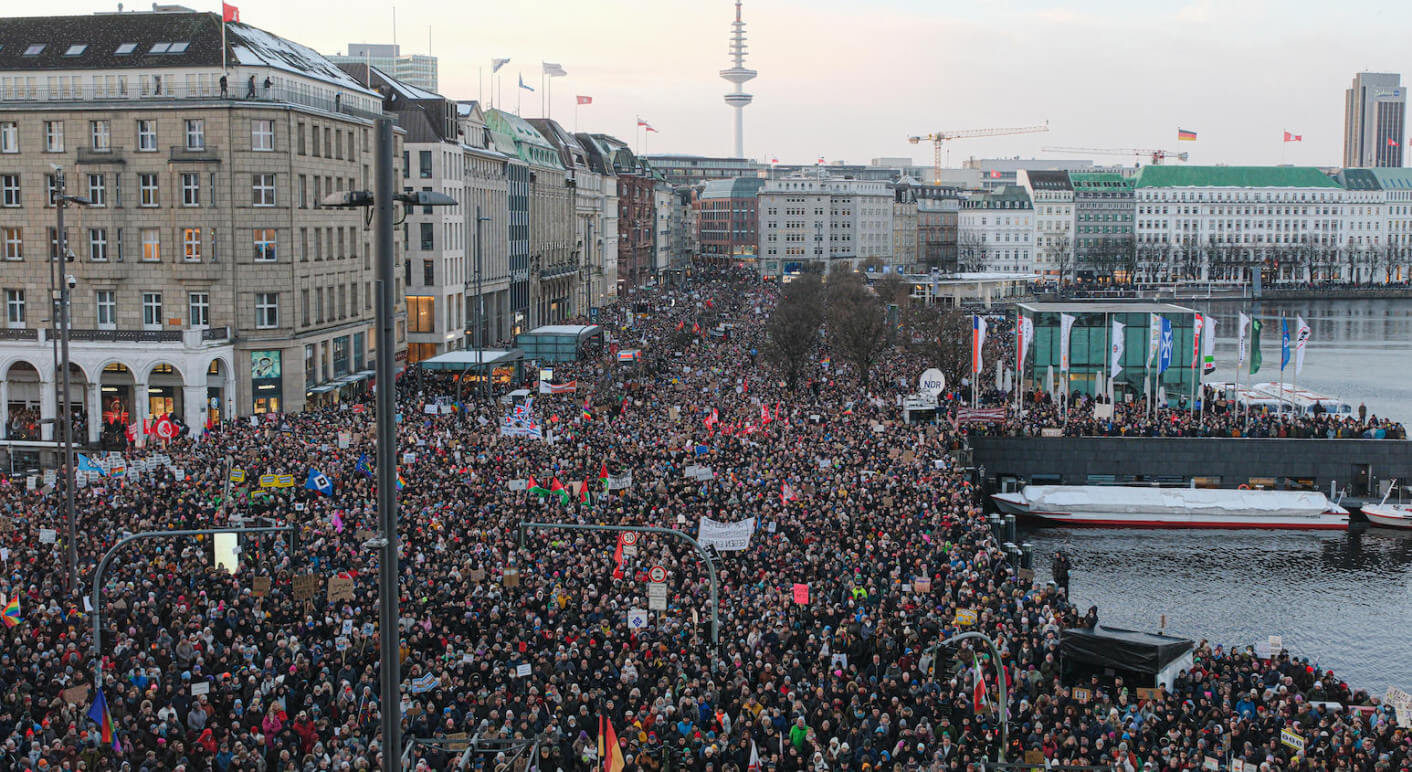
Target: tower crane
1157 156
939 138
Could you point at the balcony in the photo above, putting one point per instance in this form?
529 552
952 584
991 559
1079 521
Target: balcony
112 155
126 336
8 334
215 334
184 154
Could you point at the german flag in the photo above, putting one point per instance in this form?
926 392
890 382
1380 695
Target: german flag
1186 136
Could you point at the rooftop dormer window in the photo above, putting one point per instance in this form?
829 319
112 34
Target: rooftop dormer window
125 49
76 49
35 49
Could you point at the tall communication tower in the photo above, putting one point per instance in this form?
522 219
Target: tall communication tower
738 74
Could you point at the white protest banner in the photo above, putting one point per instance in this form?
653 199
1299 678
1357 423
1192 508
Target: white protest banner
637 619
620 482
726 537
523 670
200 687
48 535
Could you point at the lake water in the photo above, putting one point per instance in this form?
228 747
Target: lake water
1343 599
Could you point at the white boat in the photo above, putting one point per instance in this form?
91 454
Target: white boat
1114 506
1397 515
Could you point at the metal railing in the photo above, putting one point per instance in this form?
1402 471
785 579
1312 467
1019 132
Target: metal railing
25 334
215 333
140 89
126 336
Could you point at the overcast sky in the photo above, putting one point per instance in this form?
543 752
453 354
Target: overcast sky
851 80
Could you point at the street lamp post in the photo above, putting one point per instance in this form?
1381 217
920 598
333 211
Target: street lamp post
60 291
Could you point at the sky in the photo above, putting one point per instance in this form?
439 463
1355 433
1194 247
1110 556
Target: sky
850 81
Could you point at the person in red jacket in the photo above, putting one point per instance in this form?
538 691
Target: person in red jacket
308 733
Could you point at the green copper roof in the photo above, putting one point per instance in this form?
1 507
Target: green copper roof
1393 179
1233 177
1099 181
530 145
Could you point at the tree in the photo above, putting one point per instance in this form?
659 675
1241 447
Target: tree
857 323
892 290
940 337
1060 252
970 252
793 327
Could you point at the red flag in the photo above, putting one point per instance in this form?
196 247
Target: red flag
1290 137
618 559
530 483
583 100
612 753
229 12
1391 142
696 328
680 325
583 491
979 698
764 415
709 304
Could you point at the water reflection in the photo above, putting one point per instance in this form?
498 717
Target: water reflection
1342 599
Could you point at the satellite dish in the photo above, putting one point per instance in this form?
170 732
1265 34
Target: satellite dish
932 383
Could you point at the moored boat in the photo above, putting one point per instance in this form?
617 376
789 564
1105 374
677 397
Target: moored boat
1397 515
1147 507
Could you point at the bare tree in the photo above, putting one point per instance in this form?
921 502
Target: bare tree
793 327
1060 252
970 252
857 323
940 337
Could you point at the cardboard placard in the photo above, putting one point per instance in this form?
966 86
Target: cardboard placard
921 584
260 586
6 524
76 695
306 587
200 687
1082 695
1148 693
511 577
340 588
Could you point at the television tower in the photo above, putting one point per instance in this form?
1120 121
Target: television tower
738 74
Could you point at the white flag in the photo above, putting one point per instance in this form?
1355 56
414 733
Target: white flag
1301 337
1066 325
1116 364
754 758
1208 347
1154 336
1242 327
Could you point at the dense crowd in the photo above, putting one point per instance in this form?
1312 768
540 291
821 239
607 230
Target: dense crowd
527 645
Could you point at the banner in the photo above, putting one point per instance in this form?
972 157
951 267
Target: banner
1198 325
1208 348
1164 357
1066 325
1154 336
726 537
1024 336
1116 350
545 387
1284 343
1242 327
977 343
981 415
1255 358
1301 337
619 482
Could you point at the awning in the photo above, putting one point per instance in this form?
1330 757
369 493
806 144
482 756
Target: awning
472 360
323 388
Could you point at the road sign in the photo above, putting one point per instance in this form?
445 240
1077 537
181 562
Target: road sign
630 537
657 574
657 597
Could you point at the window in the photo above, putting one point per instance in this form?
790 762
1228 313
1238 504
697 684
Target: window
263 190
424 163
147 136
107 307
195 134
199 308
429 272
151 245
9 137
264 245
14 244
15 308
191 245
147 190
100 135
152 310
9 189
53 136
98 244
98 189
303 192
299 138
421 313
125 49
428 236
34 49
262 135
190 189
266 310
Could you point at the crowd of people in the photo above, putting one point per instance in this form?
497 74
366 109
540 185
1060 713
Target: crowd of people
869 539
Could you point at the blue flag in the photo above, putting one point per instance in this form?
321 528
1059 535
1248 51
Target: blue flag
319 482
86 465
1164 355
1284 343
362 466
104 719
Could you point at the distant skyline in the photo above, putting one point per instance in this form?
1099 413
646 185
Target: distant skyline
850 82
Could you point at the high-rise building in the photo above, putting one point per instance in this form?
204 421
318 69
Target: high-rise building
1374 113
738 74
413 69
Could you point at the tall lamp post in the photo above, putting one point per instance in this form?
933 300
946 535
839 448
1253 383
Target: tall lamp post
389 636
59 298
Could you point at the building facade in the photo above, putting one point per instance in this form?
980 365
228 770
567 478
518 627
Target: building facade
996 232
414 69
1374 120
728 219
1053 198
691 169
825 221
207 283
905 217
1104 243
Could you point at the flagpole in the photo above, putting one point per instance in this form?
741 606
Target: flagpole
223 56
480 83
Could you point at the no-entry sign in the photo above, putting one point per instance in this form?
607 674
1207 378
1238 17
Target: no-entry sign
657 574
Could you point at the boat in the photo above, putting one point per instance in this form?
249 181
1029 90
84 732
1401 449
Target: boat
1116 506
1397 515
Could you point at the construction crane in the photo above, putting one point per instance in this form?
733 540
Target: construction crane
1157 156
940 138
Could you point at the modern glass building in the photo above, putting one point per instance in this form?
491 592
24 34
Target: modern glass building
1090 341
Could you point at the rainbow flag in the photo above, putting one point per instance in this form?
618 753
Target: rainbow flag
1186 136
587 416
401 483
11 613
104 719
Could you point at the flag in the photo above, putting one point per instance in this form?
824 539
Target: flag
1242 327
1164 353
1116 350
1290 137
1391 142
754 765
995 174
583 491
11 612
586 414
696 328
979 697
1301 337
104 719
618 559
496 64
556 488
584 100
712 419
1197 326
401 481
319 482
229 13
553 70
654 131
85 464
774 160
609 753
977 343
1066 325
1255 346
820 161
1208 348
1284 343
603 475
522 83
1186 136
787 493
1024 336
362 466
1154 336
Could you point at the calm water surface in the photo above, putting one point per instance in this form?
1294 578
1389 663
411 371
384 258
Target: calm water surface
1344 599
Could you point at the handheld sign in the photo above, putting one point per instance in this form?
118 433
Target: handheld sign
801 594
1291 739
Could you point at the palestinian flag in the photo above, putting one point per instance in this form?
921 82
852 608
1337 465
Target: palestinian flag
603 475
583 492
557 488
535 488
